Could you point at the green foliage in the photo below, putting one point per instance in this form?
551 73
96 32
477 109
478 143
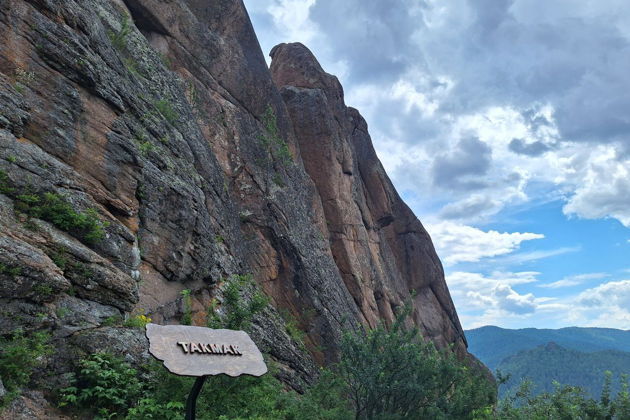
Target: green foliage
5 183
292 327
395 374
150 408
550 362
111 321
325 400
59 256
119 39
62 312
105 384
10 271
187 299
20 355
165 108
272 140
55 209
43 290
22 79
146 148
565 402
137 321
239 311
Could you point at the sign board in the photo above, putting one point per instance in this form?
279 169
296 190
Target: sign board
199 351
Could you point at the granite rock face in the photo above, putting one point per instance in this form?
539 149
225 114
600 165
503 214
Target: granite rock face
146 149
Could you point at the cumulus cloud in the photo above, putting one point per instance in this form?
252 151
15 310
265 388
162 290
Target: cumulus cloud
488 296
457 243
604 190
612 293
495 299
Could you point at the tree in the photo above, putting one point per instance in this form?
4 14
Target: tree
396 374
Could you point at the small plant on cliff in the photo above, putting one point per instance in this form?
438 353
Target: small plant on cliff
165 108
55 209
5 187
292 327
272 140
187 301
10 271
119 39
239 310
137 321
20 355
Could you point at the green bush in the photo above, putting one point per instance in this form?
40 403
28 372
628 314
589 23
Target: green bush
55 209
239 312
105 384
20 355
396 374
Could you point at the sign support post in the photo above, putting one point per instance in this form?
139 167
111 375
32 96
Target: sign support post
191 401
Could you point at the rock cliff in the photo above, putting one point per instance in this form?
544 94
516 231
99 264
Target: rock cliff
146 149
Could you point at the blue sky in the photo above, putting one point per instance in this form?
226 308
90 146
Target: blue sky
505 125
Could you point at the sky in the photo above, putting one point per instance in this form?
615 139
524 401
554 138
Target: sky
505 125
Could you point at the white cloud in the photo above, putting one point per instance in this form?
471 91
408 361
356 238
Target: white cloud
616 293
573 280
524 257
491 299
291 17
604 190
457 243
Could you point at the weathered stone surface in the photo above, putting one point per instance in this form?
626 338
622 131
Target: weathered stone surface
198 351
152 114
32 405
384 254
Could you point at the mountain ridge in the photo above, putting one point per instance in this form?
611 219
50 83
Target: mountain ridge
482 341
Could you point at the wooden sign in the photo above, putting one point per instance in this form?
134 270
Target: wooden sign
199 351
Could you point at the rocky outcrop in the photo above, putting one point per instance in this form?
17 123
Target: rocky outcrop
145 149
385 256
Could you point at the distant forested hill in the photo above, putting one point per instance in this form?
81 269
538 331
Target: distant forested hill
551 362
572 356
493 344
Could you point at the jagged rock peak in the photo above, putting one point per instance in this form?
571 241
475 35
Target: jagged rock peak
384 255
